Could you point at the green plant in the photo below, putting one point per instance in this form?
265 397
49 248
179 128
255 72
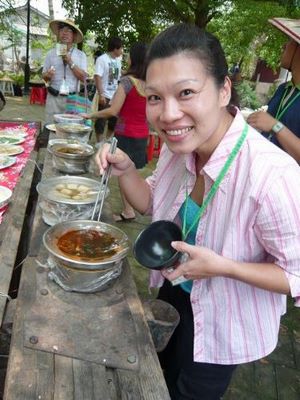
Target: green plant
247 95
17 78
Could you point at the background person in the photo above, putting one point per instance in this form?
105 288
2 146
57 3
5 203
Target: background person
226 186
281 123
107 75
63 73
129 105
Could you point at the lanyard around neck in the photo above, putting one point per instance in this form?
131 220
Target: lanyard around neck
281 109
65 65
215 186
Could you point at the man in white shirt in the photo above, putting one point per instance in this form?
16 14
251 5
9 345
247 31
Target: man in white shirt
107 76
65 66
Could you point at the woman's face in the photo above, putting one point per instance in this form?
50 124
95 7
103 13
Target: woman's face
184 104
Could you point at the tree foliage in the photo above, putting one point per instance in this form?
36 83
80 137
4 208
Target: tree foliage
242 26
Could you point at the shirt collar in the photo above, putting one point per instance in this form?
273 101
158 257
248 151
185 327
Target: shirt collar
217 160
291 84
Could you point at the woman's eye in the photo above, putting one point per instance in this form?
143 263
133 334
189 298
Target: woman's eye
186 92
153 98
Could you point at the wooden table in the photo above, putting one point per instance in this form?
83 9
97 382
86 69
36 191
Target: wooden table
35 374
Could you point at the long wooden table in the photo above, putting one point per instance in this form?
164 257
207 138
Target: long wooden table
35 374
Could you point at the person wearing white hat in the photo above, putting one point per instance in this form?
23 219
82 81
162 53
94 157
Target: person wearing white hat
281 122
64 67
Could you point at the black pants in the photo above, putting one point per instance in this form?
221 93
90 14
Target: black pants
186 379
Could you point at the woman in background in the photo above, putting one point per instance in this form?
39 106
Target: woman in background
129 104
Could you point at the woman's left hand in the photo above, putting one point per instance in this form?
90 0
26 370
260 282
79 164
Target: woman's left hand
202 263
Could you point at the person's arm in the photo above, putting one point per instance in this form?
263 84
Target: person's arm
289 142
48 69
264 121
99 88
205 263
48 75
115 107
79 73
276 227
133 186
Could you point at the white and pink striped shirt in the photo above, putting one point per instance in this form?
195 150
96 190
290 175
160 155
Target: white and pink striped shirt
254 217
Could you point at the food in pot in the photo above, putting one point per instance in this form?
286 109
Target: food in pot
88 245
71 150
74 191
73 127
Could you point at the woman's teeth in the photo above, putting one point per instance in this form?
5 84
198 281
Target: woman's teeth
177 132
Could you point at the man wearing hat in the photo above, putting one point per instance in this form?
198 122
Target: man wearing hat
281 123
64 66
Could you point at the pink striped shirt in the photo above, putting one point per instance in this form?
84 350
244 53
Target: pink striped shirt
254 217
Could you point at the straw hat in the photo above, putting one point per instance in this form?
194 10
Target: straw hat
55 26
290 27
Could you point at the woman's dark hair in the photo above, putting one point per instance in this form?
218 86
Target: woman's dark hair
194 41
137 55
114 43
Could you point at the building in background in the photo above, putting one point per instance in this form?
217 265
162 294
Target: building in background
13 42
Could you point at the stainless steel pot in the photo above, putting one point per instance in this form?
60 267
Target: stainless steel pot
73 130
85 276
56 208
68 118
71 158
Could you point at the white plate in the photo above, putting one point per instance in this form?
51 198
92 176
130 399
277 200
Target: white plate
7 161
11 140
5 195
51 127
10 149
12 135
13 132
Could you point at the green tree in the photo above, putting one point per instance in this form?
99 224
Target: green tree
242 26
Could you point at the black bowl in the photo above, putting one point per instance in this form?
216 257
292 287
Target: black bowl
152 248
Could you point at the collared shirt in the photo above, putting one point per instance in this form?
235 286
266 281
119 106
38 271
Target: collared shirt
109 69
52 59
254 217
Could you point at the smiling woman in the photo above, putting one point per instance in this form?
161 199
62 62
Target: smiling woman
213 179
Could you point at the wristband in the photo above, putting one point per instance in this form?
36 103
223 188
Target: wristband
72 66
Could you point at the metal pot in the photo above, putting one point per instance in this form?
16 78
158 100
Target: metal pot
74 130
72 158
68 119
85 276
56 208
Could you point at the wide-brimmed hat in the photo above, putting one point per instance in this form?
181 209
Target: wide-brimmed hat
290 27
55 25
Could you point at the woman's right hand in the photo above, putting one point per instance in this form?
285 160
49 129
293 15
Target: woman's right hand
86 116
121 163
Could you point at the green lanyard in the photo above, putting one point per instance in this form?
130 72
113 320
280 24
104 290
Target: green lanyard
215 186
281 110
